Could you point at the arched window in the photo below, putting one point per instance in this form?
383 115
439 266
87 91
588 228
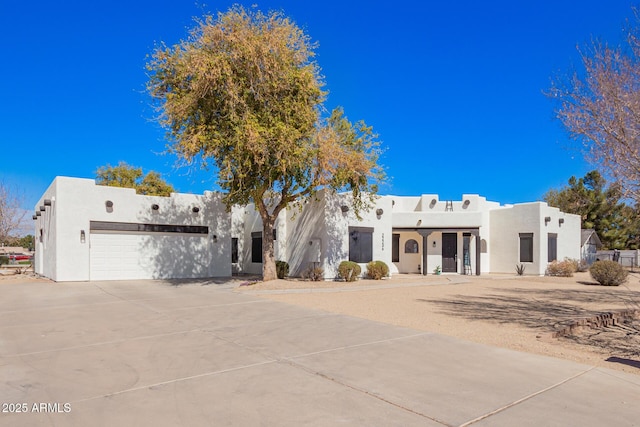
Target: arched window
411 247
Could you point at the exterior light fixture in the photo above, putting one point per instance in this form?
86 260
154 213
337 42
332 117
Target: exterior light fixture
155 206
466 204
82 236
419 221
434 243
195 209
215 237
47 202
561 221
42 208
344 208
379 212
433 203
108 204
38 213
547 219
35 217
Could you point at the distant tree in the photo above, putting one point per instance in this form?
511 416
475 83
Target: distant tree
600 107
244 94
127 176
27 242
11 214
599 206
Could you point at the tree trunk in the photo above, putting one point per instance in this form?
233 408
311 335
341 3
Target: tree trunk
268 251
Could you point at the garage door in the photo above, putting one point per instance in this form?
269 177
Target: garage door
129 256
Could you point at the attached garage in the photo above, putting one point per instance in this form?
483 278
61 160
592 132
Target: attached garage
127 251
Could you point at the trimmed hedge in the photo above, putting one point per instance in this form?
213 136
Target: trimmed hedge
608 273
376 270
282 269
349 271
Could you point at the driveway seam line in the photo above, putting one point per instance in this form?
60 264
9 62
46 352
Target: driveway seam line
517 402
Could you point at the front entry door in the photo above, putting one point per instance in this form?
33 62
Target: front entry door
449 252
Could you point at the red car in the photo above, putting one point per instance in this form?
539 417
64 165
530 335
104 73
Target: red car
19 257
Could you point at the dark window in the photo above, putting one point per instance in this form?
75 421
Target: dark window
147 228
234 249
360 244
411 247
256 247
526 247
552 247
395 248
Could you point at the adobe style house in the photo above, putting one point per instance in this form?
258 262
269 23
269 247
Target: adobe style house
90 232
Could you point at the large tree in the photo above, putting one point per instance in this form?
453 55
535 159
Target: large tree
244 94
600 107
127 176
11 214
600 207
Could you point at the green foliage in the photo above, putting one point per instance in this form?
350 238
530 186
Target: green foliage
608 273
244 94
600 207
27 242
564 268
437 270
376 270
4 259
520 269
282 269
127 176
315 274
349 271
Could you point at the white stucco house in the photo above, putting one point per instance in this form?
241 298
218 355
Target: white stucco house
89 232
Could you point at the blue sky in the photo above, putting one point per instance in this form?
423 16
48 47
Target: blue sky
454 89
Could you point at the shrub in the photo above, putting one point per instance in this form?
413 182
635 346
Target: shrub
4 260
282 269
564 268
315 274
376 270
520 269
608 273
349 271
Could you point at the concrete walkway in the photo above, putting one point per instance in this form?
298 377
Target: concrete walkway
198 354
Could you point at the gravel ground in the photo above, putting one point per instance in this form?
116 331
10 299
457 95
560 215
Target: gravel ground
520 313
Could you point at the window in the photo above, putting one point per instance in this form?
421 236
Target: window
360 244
256 247
411 247
552 247
395 248
234 249
526 247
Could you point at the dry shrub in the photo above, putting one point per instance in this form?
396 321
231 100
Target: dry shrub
315 274
608 273
376 270
564 268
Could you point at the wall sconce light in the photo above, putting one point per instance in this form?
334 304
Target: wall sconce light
434 243
195 209
47 202
155 206
344 208
547 219
108 204
42 208
379 212
310 243
215 238
35 217
419 221
82 237
38 213
561 221
466 204
433 203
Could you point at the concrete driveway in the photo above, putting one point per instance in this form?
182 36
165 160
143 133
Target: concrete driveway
198 354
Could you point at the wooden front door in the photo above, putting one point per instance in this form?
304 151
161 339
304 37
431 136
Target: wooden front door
449 252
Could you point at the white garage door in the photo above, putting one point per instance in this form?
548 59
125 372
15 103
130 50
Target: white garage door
147 256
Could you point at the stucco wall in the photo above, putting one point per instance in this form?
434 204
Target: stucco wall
79 201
